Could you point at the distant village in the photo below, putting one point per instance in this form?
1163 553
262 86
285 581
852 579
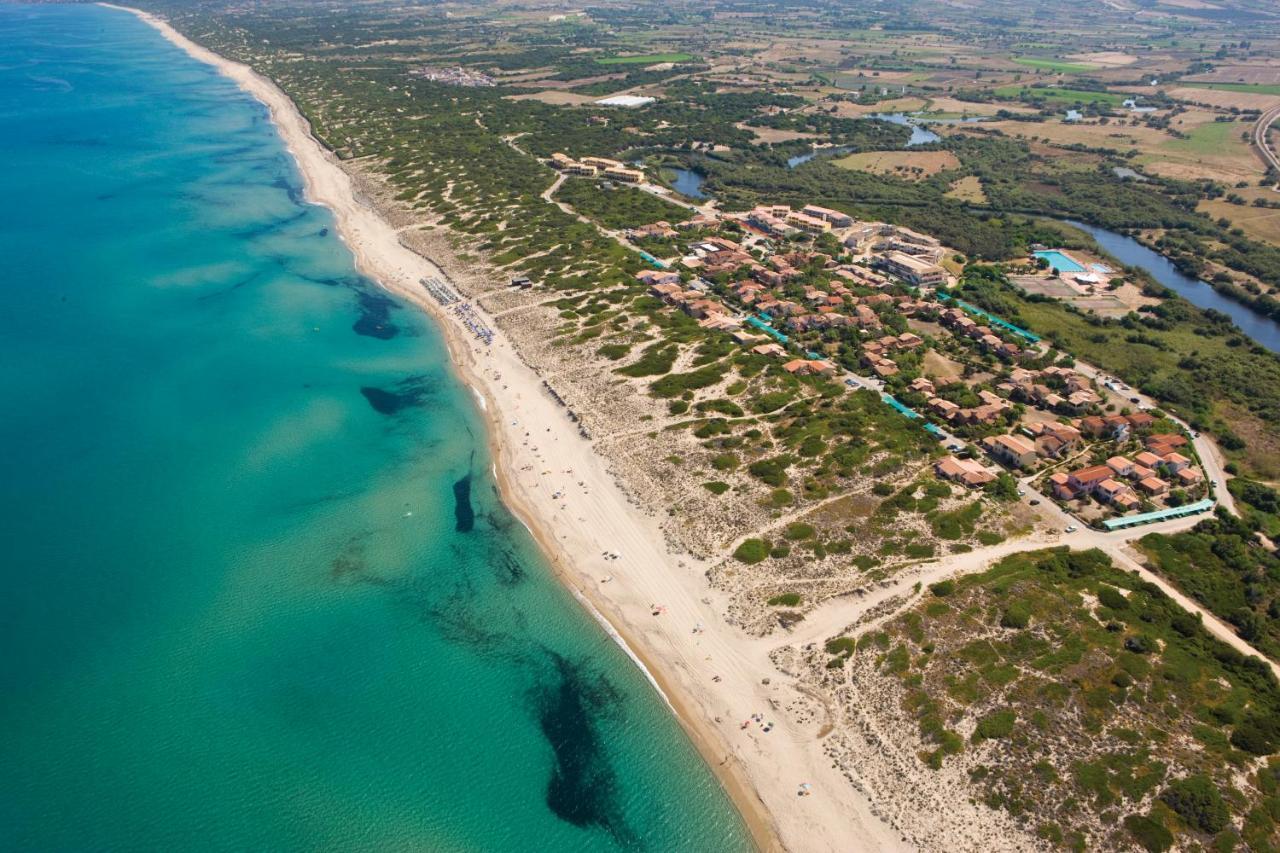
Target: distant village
456 76
872 304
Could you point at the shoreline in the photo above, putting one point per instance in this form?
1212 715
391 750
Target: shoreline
759 772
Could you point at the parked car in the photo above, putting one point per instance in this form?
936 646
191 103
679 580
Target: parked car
1071 528
1035 502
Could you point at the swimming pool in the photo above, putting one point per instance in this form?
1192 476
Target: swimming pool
1059 261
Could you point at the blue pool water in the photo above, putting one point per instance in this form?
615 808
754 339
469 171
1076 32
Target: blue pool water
1059 261
259 593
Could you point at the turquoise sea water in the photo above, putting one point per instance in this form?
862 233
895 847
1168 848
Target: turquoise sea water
238 610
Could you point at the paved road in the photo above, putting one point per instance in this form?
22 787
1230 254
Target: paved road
1260 138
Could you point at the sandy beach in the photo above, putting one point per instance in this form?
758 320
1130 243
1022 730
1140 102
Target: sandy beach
714 676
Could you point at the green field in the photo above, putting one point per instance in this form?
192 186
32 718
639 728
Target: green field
645 59
1056 95
1218 137
1247 88
1056 65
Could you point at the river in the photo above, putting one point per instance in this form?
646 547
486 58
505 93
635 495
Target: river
1128 251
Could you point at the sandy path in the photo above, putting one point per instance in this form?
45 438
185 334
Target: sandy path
534 446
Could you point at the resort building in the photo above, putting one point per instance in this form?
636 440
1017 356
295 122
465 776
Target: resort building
913 270
621 173
835 217
810 224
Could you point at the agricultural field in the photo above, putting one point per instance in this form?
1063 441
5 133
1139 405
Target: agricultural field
908 165
1058 66
967 189
645 59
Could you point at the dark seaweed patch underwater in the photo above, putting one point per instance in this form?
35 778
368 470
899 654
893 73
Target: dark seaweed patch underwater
463 515
407 393
583 789
375 316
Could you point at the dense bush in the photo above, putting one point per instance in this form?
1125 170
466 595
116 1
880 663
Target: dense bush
1197 801
1151 834
997 724
752 551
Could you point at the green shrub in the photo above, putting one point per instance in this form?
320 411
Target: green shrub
1149 833
613 352
725 462
882 489
786 599
841 646
1197 801
654 361
674 384
1016 615
1257 735
798 530
752 551
771 402
997 724
770 471
1112 597
943 588
716 487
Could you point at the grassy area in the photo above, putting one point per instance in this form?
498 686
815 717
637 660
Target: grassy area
910 165
969 189
1246 88
645 59
1057 95
1055 65
1086 704
1210 138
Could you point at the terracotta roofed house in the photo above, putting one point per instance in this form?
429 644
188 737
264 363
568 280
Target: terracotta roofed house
1013 450
967 471
1087 479
1121 466
1153 486
1147 459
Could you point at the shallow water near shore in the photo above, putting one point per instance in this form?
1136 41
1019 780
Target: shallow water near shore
259 590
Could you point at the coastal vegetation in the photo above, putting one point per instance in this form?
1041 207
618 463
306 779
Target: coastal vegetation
1083 703
1220 564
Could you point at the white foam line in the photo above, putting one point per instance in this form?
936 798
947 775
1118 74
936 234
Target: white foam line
480 399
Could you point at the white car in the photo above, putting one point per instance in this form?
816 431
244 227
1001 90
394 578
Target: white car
1071 528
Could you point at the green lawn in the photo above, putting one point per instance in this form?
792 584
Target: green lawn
645 59
1055 65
